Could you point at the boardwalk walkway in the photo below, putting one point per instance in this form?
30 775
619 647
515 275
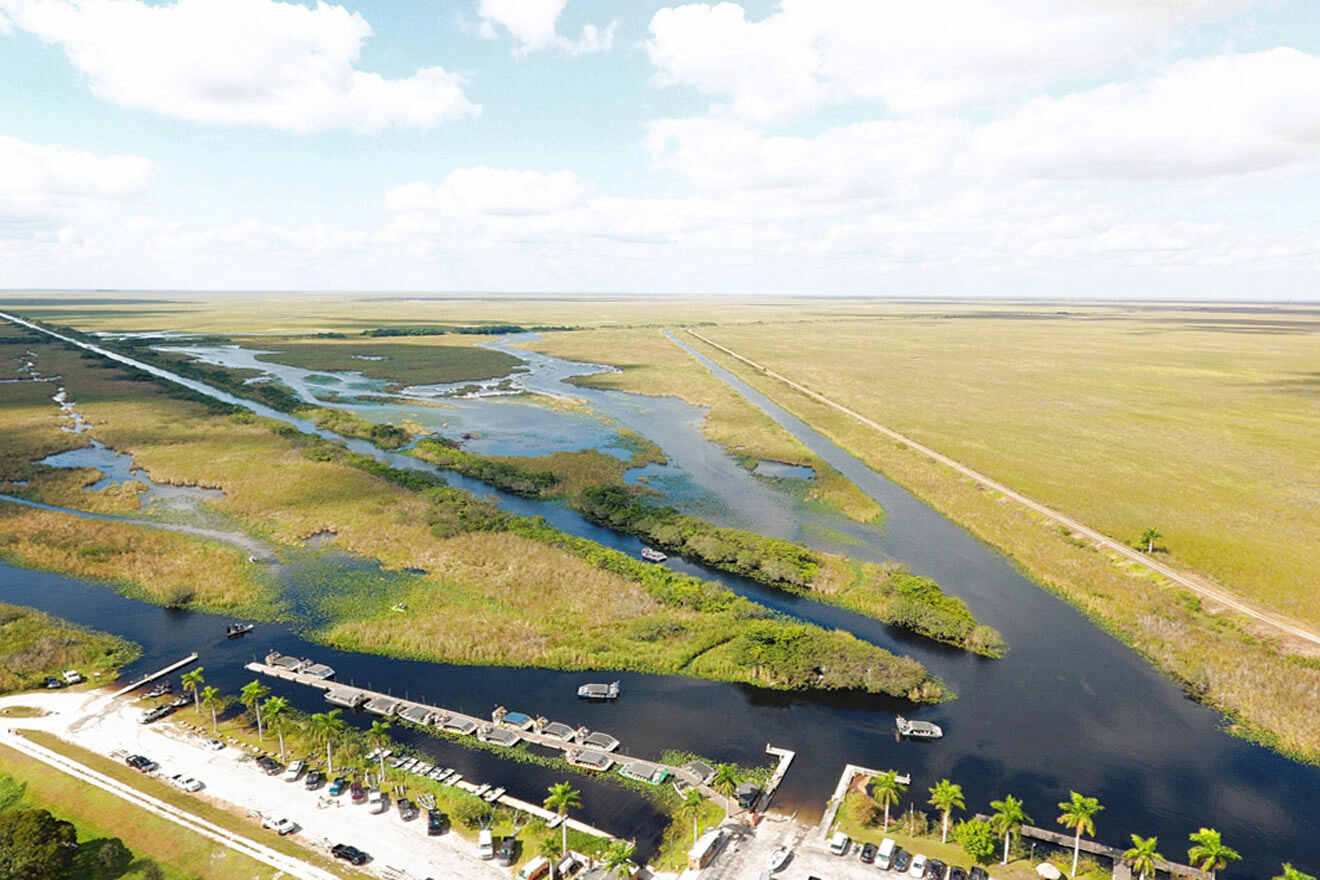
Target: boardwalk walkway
159 673
1091 847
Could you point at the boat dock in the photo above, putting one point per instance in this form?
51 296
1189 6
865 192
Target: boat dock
1094 848
160 673
785 757
554 735
845 780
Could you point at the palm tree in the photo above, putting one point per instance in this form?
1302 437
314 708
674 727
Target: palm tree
725 781
1149 537
1078 815
946 797
563 797
380 735
211 700
251 696
618 855
326 727
552 850
1008 819
886 789
1210 854
1291 873
276 708
1142 857
692 803
193 681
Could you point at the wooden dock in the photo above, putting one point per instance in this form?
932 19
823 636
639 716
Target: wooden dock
1091 847
160 673
785 757
441 716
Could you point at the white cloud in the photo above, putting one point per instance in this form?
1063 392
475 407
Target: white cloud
481 191
916 57
1229 114
255 62
533 26
42 188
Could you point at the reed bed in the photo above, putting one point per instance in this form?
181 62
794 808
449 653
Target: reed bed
35 646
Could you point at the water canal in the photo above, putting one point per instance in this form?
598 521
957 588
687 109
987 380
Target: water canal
1068 707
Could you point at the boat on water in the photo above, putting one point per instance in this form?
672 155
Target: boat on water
918 729
779 858
234 630
159 690
650 554
596 691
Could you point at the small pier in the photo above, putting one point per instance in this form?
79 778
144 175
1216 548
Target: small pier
850 771
1094 848
599 754
160 673
785 757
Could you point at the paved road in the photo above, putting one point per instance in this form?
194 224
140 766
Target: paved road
1197 584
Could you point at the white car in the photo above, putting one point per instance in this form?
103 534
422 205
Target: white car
214 744
378 801
294 771
281 826
918 867
186 783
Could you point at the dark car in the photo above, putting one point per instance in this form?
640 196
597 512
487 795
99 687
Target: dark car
407 810
978 873
867 852
436 822
338 786
141 764
54 683
350 854
934 870
900 860
270 765
356 793
957 873
507 851
313 780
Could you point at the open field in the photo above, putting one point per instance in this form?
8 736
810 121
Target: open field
34 646
156 843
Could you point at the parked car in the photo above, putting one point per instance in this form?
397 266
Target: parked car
436 822
280 826
884 857
270 765
186 783
357 793
978 873
918 869
339 786
507 851
486 844
407 810
295 770
839 843
956 873
867 853
214 744
53 683
141 763
902 861
72 676
314 780
935 870
154 714
350 854
378 801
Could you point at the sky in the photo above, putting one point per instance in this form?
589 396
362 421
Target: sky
1035 148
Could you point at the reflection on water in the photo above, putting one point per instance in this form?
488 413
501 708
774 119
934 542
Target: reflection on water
777 470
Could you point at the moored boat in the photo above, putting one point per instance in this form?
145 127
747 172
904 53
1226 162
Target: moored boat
598 691
234 630
779 858
652 555
918 729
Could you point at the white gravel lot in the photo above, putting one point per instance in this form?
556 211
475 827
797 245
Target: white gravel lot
93 721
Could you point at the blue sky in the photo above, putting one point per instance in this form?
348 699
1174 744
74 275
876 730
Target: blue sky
1098 148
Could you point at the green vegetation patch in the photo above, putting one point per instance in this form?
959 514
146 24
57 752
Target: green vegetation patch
35 646
400 363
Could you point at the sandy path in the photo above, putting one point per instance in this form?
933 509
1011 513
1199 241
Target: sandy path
1200 585
110 727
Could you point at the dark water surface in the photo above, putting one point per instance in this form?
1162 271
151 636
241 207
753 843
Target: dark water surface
1068 708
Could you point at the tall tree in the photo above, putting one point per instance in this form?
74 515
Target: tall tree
276 710
1209 853
552 850
326 727
251 696
561 798
34 845
1291 873
1008 820
211 700
886 790
1149 537
380 736
693 801
1142 857
193 681
725 780
946 797
618 855
1079 815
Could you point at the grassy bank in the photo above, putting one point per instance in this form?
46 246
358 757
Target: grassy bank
1267 694
34 646
399 363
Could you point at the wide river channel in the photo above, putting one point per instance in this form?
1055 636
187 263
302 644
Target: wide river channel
1069 707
